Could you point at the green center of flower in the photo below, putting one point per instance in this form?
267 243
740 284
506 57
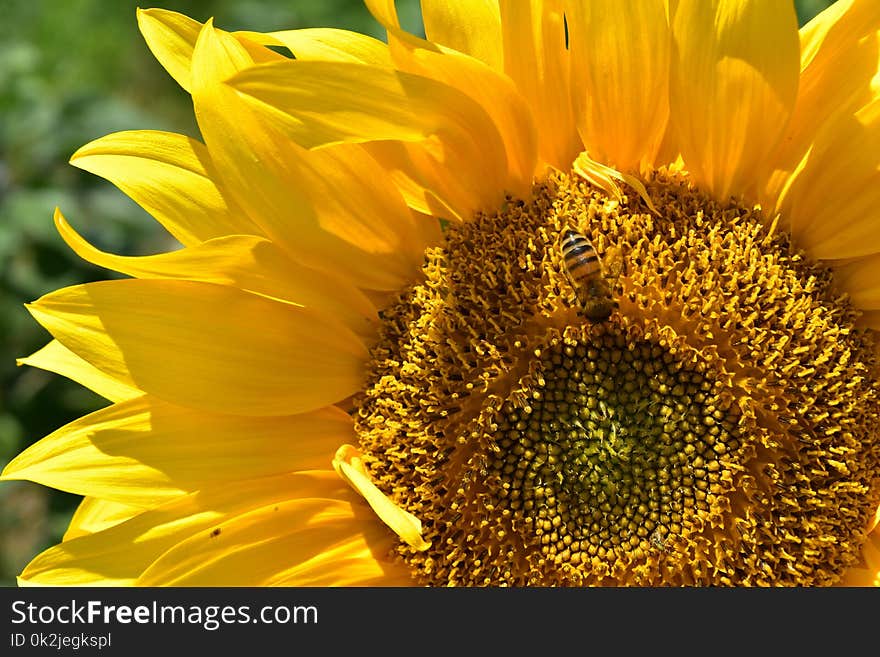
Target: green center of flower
620 444
717 428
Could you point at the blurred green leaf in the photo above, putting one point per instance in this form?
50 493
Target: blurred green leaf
806 9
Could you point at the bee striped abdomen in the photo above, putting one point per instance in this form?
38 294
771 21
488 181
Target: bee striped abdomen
584 269
580 258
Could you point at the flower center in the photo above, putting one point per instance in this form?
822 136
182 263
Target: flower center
617 444
717 428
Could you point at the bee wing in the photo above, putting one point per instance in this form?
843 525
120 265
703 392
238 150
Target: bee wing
612 262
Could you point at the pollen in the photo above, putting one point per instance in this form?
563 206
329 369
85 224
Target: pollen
719 428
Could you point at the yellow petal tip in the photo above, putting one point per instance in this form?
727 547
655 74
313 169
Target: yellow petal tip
606 178
349 465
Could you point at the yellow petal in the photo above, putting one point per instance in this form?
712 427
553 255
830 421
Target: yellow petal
367 232
472 27
861 280
118 555
333 45
246 262
732 88
484 179
170 36
55 357
343 46
424 181
843 38
206 346
350 467
606 178
379 226
620 53
384 11
321 103
172 177
537 60
144 451
307 542
838 65
833 199
870 319
332 210
95 515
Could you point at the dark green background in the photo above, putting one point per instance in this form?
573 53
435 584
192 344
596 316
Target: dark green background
72 71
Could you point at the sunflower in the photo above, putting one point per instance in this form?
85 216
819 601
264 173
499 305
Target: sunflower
641 350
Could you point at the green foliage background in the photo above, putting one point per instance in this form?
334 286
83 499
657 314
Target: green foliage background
72 71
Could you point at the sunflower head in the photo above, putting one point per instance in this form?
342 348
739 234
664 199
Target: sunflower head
563 294
550 448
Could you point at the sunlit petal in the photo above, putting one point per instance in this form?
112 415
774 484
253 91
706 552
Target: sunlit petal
247 262
620 53
144 452
273 359
172 177
733 87
55 357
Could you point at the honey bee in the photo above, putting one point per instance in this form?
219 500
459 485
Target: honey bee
588 277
